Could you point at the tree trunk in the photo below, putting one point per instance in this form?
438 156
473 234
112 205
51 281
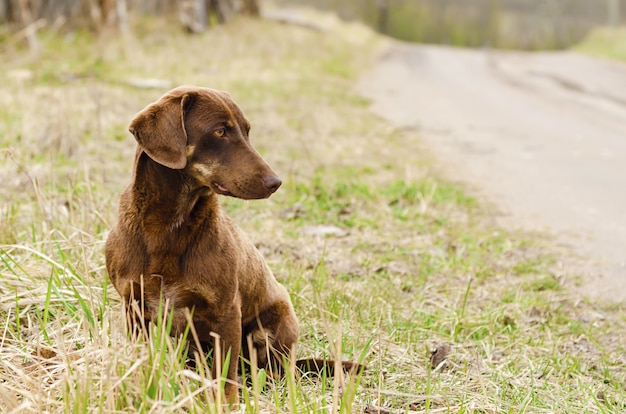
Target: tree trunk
101 14
193 15
8 11
224 9
250 7
27 22
383 16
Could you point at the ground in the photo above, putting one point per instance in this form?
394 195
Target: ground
541 135
387 262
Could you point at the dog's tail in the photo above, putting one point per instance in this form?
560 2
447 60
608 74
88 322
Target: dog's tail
327 366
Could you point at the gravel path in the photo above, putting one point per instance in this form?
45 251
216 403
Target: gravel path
543 135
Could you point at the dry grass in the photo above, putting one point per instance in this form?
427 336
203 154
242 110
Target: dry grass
450 313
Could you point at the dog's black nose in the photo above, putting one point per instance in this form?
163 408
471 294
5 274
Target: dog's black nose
272 183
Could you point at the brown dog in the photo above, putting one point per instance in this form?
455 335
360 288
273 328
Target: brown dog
173 243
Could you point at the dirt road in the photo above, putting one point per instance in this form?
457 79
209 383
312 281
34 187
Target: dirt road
543 135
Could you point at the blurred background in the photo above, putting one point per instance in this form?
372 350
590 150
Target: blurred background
511 24
517 24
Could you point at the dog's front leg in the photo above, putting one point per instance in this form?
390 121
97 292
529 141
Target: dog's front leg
228 332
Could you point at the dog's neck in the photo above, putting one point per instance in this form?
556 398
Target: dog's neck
169 198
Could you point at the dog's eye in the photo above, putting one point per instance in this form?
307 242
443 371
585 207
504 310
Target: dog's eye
219 132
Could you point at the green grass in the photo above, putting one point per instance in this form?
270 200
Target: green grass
607 42
411 263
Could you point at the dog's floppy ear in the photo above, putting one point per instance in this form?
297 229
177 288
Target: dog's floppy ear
160 129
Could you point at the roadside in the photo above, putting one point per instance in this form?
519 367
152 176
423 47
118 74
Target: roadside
541 135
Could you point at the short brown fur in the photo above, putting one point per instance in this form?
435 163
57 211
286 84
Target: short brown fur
173 242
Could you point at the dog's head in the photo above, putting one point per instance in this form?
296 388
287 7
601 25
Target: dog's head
204 133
